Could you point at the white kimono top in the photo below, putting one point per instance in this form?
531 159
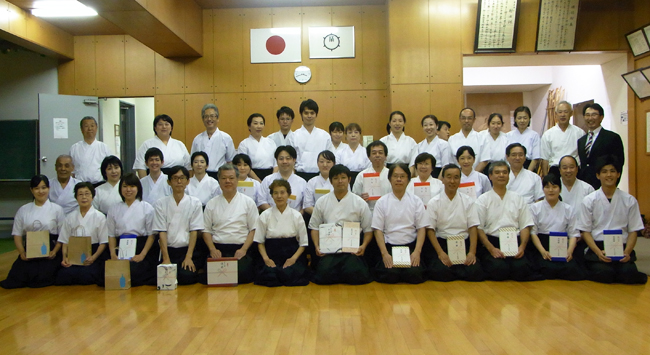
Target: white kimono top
529 139
273 224
493 149
154 191
597 214
230 222
399 219
298 187
87 159
32 218
399 151
308 146
178 220
357 188
351 208
64 197
452 217
261 153
560 218
473 140
355 161
578 192
92 225
174 153
481 182
440 149
204 190
106 196
136 219
279 139
219 148
317 182
527 184
555 144
495 213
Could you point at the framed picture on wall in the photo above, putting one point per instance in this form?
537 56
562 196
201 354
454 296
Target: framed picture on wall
638 41
496 26
638 82
556 25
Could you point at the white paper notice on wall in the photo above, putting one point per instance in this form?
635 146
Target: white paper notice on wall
331 42
60 128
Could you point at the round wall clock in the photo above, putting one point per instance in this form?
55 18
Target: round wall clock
302 74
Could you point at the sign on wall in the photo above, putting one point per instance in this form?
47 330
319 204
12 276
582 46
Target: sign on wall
331 42
556 26
496 26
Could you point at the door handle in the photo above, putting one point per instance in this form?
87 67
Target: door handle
44 159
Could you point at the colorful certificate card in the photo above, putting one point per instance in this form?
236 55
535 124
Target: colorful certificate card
372 185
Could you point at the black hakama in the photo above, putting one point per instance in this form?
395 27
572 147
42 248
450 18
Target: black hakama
92 274
184 276
34 273
438 271
279 250
245 265
505 269
564 270
615 271
411 275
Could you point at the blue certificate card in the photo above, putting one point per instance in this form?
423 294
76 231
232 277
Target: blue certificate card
614 244
558 245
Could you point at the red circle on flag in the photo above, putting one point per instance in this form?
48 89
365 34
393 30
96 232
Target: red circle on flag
275 45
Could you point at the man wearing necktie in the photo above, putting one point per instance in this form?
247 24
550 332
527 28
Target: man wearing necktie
596 143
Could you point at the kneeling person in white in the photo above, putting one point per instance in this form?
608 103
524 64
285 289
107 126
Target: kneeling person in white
399 220
611 211
282 237
453 219
85 221
179 217
500 211
229 221
338 207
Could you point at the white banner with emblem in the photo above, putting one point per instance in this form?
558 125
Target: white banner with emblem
331 42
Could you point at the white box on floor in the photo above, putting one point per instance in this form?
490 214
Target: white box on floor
167 277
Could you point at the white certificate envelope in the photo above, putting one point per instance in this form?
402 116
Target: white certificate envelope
126 249
247 188
330 238
468 188
614 244
456 249
351 237
557 245
320 193
372 185
401 257
423 191
508 241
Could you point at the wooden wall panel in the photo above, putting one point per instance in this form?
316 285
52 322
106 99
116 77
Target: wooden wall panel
374 49
638 156
376 107
170 75
199 72
446 101
283 72
231 109
486 104
229 50
110 69
321 69
140 68
66 78
257 77
446 61
288 98
409 41
259 102
84 65
414 101
347 107
347 73
527 26
174 106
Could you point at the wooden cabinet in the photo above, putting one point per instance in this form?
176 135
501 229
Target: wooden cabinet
347 73
446 101
174 107
84 66
139 68
110 66
193 120
373 47
231 109
347 107
199 72
228 50
408 39
414 101
170 75
446 61
376 107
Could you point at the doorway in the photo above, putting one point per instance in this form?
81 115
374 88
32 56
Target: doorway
126 138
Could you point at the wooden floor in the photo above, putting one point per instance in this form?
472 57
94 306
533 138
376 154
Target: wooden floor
548 317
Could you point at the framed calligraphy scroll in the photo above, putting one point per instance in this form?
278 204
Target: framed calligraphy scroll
639 41
556 26
639 82
496 26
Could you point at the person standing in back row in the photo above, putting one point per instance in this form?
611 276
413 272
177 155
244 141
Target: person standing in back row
596 143
309 141
88 154
217 144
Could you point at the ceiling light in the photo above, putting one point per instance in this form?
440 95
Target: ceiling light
61 8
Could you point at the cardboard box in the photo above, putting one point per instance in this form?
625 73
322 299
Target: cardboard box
117 275
167 277
222 272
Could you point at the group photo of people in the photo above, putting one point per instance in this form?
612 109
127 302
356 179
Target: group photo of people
472 206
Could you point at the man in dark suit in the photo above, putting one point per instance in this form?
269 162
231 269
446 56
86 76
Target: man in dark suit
596 143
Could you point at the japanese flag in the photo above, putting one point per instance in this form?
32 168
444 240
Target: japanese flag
275 45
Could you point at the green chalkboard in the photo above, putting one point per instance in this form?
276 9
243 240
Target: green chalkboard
19 156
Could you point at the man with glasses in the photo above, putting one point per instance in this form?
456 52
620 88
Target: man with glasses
285 117
596 143
467 135
217 144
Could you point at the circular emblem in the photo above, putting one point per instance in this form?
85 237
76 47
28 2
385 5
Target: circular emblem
331 41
